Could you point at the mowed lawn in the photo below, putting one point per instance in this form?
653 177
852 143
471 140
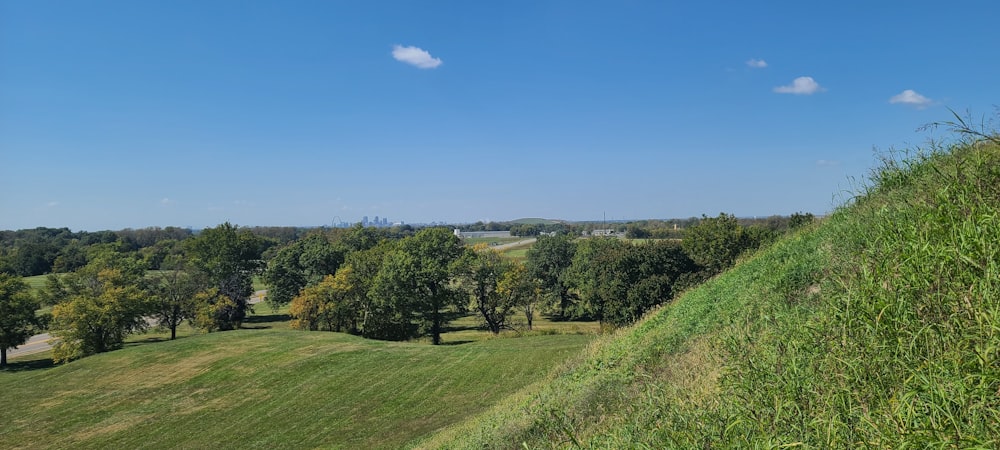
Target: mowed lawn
268 388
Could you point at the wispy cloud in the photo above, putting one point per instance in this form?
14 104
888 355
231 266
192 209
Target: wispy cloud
415 56
52 204
911 98
800 86
827 163
755 63
167 201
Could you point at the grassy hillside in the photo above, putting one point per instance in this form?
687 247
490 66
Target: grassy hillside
879 327
267 388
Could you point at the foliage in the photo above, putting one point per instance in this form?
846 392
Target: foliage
618 282
330 305
98 306
496 286
228 257
173 295
547 262
799 220
18 321
302 263
715 242
413 287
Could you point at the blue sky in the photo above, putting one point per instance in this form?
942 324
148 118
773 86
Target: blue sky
192 113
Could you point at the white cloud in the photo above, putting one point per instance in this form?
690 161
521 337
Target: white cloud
415 56
912 98
800 86
756 63
52 204
167 201
827 163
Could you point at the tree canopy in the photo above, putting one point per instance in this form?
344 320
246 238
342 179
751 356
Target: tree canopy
18 321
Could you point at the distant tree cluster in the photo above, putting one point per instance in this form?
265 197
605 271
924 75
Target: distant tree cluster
114 294
535 229
382 283
615 281
40 251
396 288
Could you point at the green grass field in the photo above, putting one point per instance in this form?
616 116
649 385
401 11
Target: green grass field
37 282
268 387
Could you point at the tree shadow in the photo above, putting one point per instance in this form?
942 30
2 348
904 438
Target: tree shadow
28 364
456 342
453 328
262 321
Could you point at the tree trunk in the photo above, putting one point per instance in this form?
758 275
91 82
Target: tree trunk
3 358
436 328
173 332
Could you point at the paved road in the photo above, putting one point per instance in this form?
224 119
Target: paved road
503 247
37 343
40 342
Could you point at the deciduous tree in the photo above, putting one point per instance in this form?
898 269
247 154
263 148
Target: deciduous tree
99 306
174 298
17 315
228 257
330 305
547 261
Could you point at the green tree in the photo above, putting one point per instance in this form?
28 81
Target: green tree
98 306
228 257
394 295
415 280
799 219
173 298
715 242
618 282
633 231
482 273
365 267
302 263
18 321
548 261
329 305
517 289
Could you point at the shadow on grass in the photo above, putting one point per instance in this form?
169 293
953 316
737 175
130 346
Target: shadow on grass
22 365
453 328
263 322
457 342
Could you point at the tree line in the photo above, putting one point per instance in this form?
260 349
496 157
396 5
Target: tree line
410 287
389 284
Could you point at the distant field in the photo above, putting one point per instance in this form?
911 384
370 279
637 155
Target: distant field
519 254
271 387
490 240
36 282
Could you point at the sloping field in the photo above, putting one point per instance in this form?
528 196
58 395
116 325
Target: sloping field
878 328
268 389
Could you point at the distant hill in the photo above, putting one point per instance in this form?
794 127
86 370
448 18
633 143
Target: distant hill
535 221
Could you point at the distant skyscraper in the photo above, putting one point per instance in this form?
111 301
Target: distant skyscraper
377 222
364 221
